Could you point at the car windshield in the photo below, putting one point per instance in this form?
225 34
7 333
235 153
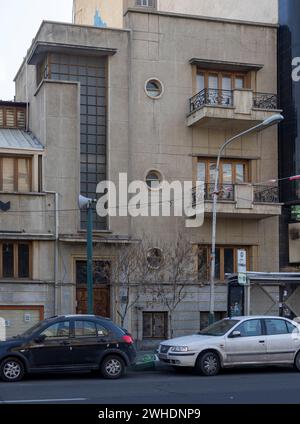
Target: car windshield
219 328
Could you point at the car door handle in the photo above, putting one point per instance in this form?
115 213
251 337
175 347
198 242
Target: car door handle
262 341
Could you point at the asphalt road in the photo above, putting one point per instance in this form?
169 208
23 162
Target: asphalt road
269 386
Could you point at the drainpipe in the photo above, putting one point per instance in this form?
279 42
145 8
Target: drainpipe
56 202
26 95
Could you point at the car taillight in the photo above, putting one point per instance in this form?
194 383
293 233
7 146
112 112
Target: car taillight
127 339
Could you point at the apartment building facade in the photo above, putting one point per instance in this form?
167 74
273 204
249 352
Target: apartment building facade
154 99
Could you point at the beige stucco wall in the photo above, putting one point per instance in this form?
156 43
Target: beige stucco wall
111 12
144 133
257 10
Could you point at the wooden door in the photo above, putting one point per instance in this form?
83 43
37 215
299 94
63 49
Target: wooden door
101 301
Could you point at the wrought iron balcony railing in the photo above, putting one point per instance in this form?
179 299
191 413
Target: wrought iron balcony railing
265 101
225 192
266 194
211 97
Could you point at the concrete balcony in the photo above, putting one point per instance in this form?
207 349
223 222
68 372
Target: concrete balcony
240 109
242 201
27 216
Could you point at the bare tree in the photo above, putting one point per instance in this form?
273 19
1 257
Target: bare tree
129 272
170 280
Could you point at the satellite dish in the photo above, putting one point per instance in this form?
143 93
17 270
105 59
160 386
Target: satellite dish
84 201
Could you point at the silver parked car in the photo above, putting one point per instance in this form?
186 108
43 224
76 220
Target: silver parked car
237 341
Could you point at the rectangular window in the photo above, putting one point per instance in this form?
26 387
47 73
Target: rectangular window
8 174
23 175
155 325
85 329
12 117
232 171
15 260
101 273
226 261
15 174
90 72
220 80
8 260
146 3
23 260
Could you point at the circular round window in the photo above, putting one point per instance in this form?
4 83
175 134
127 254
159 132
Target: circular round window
153 180
155 258
154 88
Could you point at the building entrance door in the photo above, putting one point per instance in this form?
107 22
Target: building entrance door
101 288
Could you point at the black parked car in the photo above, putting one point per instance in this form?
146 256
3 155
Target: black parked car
66 344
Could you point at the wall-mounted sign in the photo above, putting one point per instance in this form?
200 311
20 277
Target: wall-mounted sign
242 261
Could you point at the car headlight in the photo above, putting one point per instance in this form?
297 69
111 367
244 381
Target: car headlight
179 349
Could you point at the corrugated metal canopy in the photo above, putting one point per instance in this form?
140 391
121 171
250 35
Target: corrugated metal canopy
18 139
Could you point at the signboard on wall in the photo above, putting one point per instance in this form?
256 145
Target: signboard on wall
242 266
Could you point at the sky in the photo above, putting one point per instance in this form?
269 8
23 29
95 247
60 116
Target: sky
19 23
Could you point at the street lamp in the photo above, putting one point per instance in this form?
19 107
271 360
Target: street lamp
84 202
272 120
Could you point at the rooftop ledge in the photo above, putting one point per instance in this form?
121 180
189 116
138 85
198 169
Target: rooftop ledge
42 47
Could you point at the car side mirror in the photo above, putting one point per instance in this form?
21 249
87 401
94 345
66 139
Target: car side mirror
40 338
235 334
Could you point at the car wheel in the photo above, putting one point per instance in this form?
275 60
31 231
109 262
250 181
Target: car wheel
113 367
297 362
208 364
11 370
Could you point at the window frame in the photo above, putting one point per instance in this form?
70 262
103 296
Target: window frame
84 336
57 338
107 266
16 260
233 162
159 176
16 172
160 89
166 324
222 249
246 321
277 334
16 110
220 74
152 6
